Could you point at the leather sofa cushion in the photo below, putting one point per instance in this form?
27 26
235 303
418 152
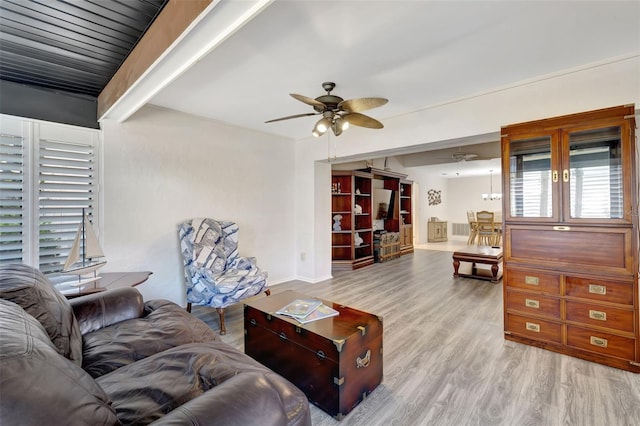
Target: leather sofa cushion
31 290
164 325
38 385
222 385
99 310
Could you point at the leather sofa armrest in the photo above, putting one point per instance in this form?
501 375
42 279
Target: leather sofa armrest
228 404
99 310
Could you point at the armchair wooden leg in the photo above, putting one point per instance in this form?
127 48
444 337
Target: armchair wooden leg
189 307
267 292
223 329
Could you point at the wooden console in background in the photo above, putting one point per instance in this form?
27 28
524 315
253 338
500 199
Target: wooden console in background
437 231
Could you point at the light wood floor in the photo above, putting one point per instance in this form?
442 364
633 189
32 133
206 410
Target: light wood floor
446 361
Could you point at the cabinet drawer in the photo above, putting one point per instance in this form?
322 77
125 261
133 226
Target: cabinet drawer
574 249
600 290
603 343
601 316
534 328
533 280
534 304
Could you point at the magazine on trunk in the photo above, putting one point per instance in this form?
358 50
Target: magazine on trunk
299 308
322 311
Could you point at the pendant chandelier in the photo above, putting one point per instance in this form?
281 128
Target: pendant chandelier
491 195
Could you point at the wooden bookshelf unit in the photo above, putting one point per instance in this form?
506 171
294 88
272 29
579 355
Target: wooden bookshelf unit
352 227
353 213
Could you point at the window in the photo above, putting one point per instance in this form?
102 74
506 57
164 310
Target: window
48 175
530 169
597 188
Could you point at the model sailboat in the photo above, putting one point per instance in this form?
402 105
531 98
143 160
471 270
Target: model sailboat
86 255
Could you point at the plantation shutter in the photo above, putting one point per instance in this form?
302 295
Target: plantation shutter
597 188
12 184
530 177
48 178
65 188
533 196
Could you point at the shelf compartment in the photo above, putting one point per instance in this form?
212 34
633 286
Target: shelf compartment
341 253
341 238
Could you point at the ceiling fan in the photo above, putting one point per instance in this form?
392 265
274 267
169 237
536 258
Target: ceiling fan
463 156
337 113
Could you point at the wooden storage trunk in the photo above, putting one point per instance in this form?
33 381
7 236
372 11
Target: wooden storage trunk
336 361
387 246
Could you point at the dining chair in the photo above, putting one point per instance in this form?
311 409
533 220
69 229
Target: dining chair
487 233
473 227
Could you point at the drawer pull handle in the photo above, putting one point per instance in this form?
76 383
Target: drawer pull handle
253 322
531 280
283 336
597 289
597 315
531 303
562 228
533 327
598 341
320 355
364 361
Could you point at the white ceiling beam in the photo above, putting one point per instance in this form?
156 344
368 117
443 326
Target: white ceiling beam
207 31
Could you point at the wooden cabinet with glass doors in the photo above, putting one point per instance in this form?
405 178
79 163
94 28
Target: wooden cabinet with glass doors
571 236
352 227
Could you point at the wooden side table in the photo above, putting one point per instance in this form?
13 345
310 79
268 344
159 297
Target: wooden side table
105 281
484 255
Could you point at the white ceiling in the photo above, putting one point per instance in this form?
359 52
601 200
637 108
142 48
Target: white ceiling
415 53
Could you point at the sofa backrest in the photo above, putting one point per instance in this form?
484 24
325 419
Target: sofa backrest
31 290
39 386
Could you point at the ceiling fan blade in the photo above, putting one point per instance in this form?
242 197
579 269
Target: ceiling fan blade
361 104
308 101
362 120
307 114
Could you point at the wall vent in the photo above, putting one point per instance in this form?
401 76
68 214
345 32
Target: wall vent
460 229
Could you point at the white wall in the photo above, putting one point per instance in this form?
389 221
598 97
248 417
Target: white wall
424 181
466 194
590 87
162 167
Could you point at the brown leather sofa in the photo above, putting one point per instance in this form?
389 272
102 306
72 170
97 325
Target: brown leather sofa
111 359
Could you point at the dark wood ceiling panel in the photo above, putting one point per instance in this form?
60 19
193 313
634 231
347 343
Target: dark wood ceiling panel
57 73
71 45
26 35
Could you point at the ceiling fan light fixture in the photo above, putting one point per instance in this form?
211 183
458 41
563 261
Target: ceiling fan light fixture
322 125
341 123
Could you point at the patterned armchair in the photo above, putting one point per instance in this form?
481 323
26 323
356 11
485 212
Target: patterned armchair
215 275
